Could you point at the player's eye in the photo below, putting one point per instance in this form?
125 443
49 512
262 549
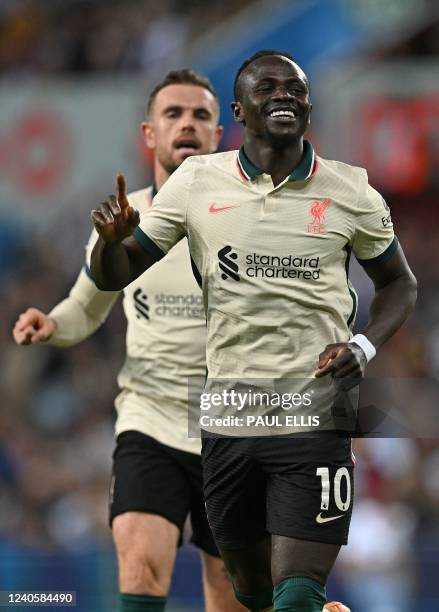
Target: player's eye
263 89
301 90
203 115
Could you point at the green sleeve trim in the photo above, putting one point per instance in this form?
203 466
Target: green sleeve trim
149 246
196 274
387 254
88 272
354 307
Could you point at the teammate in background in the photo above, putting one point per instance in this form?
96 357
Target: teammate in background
279 507
157 474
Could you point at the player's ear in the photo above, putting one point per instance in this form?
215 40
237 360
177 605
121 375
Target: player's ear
218 134
148 134
238 113
309 115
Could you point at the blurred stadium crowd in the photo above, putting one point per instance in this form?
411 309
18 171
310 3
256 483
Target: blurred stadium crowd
59 36
56 420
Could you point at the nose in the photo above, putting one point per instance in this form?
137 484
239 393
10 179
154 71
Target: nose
281 92
187 122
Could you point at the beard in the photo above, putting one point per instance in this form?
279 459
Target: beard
169 164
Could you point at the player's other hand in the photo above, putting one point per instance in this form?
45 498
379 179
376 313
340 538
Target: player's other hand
115 219
346 362
32 327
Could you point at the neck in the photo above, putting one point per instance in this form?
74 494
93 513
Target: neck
160 174
277 161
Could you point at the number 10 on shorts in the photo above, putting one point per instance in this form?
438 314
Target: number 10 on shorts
341 473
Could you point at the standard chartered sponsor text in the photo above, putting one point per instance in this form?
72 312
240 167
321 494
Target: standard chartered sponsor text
179 305
287 266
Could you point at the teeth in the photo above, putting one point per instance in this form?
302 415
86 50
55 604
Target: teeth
282 113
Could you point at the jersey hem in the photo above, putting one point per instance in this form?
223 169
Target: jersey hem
146 431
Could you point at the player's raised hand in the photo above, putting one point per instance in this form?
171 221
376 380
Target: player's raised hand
33 327
346 362
115 219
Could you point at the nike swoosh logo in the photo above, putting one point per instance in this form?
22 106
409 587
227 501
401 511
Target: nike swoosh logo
214 209
327 519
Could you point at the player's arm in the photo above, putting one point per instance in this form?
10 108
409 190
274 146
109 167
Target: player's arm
69 322
395 297
117 259
378 251
128 245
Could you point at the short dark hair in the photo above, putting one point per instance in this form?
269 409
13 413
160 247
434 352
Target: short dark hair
185 76
254 57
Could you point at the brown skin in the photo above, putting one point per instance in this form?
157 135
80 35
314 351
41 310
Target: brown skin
394 299
274 144
175 131
182 122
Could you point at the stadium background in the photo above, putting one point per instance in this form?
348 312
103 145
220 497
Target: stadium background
74 76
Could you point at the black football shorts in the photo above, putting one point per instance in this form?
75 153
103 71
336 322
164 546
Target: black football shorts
300 487
154 478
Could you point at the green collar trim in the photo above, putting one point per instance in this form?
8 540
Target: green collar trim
306 165
302 172
154 190
249 170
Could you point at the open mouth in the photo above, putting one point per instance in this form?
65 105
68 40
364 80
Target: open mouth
282 114
187 146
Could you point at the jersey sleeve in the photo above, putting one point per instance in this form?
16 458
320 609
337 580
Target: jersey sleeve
81 313
85 309
374 239
164 224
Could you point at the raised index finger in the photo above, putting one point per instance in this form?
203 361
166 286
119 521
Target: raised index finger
121 188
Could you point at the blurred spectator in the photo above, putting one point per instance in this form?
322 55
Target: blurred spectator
38 36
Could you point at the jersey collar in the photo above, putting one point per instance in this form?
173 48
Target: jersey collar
305 170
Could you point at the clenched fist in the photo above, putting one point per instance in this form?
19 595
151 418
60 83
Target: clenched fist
32 327
115 219
345 361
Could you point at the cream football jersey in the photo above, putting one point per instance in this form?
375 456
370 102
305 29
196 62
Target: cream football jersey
165 345
273 261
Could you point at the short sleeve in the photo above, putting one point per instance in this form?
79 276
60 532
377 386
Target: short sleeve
164 224
374 240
